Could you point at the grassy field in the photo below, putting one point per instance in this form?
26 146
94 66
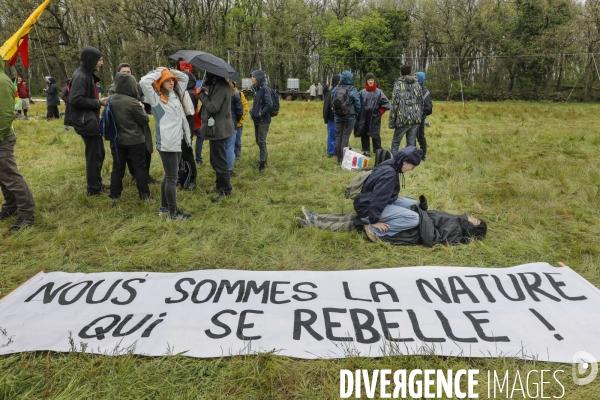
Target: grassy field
531 170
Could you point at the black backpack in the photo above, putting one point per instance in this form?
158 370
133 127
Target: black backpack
275 99
341 102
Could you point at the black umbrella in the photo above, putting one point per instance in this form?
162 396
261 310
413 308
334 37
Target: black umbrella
207 62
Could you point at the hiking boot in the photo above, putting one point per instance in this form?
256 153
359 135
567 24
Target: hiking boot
7 214
423 203
232 174
310 216
94 194
190 186
212 191
261 166
220 197
179 215
151 180
146 198
302 223
162 211
366 154
370 234
22 223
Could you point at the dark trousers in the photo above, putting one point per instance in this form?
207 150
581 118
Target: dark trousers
52 112
364 141
343 130
260 134
146 166
187 154
168 191
94 158
136 154
218 160
421 137
17 196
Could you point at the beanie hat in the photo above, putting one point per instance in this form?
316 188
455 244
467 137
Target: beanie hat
370 76
165 74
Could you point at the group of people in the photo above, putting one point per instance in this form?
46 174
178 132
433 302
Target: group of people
317 92
346 110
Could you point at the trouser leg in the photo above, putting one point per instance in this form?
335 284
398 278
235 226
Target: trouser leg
218 160
94 158
335 222
343 130
260 133
187 155
331 137
199 145
421 137
137 155
238 142
17 196
230 151
411 135
119 155
170 161
365 142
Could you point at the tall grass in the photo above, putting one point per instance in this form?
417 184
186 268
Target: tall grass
530 170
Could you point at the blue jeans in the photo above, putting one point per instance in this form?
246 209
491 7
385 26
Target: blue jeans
331 137
238 142
229 151
199 143
398 216
411 136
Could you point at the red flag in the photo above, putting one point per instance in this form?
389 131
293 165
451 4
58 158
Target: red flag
23 51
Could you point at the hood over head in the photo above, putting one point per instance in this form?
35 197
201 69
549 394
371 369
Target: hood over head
421 77
335 79
191 80
165 74
410 154
51 79
260 77
408 79
126 84
89 58
347 78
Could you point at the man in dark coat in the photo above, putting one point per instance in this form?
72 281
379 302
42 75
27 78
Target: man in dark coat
85 113
217 126
130 118
52 100
261 114
374 104
329 117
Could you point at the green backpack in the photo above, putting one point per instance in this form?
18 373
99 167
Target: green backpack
354 188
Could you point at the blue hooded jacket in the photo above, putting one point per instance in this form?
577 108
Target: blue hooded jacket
262 104
347 80
383 185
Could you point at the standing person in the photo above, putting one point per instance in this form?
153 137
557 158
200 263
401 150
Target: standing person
345 103
240 125
24 95
85 114
65 98
164 89
320 91
313 91
52 100
374 104
17 196
261 114
126 68
427 110
237 110
328 117
407 109
130 119
326 89
217 127
189 173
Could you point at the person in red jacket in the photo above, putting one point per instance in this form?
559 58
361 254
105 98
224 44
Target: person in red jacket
24 95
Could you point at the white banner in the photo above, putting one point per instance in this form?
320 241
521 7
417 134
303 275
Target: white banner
532 311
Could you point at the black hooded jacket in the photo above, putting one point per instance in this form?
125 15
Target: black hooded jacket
52 99
83 98
327 109
383 185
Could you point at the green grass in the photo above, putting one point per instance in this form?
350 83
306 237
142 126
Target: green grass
530 169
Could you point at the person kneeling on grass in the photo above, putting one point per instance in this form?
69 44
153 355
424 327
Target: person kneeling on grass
130 118
378 207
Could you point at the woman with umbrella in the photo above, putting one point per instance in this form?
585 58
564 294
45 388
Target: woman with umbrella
217 126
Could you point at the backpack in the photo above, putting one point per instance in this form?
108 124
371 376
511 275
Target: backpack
341 102
275 99
108 126
354 188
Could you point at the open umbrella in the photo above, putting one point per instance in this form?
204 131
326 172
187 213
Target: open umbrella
207 62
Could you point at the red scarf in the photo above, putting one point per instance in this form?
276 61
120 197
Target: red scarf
371 88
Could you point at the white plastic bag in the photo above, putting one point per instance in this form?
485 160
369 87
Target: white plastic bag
354 160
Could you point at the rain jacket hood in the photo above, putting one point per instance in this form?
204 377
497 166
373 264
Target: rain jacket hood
7 104
126 84
89 58
421 77
410 154
347 78
260 77
408 79
164 75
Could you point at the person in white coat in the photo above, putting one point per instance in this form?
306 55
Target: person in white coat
164 90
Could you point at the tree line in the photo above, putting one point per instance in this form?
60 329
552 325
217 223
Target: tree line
471 49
